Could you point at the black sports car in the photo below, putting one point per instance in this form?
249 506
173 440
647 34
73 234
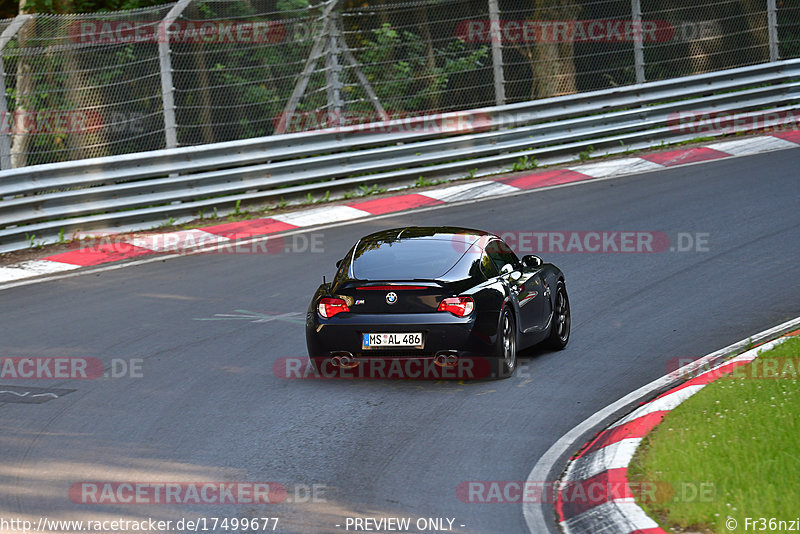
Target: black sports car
440 297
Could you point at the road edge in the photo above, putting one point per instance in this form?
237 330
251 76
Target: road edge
254 235
622 516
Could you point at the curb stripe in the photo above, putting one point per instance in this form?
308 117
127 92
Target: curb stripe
545 178
708 376
612 167
469 191
119 250
379 206
682 157
246 229
577 497
322 215
636 428
605 459
102 253
662 403
32 268
613 517
176 241
612 456
753 145
792 136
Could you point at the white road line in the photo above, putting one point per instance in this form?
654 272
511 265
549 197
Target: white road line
176 241
753 145
27 269
322 215
469 191
607 518
612 456
613 167
46 266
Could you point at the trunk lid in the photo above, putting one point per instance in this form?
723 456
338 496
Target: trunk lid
412 296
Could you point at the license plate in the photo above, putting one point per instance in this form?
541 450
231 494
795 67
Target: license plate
395 339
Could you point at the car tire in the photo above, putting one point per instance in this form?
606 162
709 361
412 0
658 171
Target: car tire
506 348
562 320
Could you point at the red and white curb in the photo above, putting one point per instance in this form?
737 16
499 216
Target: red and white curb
603 462
110 250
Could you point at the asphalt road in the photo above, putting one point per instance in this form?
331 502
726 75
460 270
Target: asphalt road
208 407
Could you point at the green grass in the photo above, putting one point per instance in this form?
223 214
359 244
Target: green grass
740 435
695 140
525 163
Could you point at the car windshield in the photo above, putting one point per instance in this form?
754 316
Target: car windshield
407 259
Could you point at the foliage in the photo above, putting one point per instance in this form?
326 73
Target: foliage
396 64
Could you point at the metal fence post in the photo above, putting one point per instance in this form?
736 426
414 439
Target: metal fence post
497 53
638 41
317 49
333 70
165 63
5 133
772 23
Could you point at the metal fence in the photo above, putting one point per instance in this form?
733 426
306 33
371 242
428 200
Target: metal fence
207 71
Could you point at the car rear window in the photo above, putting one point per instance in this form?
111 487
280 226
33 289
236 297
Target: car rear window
406 259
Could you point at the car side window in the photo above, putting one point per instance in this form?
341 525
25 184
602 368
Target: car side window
487 266
501 254
343 271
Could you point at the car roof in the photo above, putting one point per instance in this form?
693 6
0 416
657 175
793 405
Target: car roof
415 252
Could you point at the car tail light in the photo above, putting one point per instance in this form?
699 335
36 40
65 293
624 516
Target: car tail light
328 307
458 306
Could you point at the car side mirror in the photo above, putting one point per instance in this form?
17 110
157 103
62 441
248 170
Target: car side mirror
339 263
532 261
509 270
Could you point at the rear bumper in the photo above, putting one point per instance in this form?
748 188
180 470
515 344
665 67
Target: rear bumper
441 332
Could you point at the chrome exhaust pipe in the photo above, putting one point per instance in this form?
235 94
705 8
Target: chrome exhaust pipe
446 358
345 360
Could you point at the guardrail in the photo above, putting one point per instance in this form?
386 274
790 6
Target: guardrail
147 188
